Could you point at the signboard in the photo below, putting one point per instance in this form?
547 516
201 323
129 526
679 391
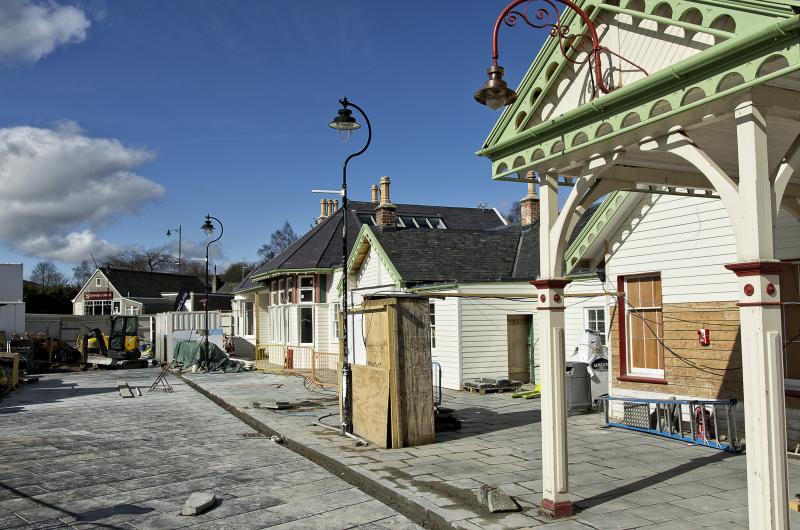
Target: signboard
98 295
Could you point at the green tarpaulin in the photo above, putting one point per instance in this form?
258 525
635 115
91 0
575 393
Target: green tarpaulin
188 353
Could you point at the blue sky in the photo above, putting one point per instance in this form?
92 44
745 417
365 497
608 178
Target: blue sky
222 107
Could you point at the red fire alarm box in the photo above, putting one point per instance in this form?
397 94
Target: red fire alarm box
704 337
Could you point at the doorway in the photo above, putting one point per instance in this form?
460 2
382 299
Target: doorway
519 347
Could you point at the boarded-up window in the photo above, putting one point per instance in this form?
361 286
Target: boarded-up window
790 296
644 326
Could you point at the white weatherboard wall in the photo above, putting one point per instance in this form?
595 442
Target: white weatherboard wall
448 341
689 241
575 309
372 277
12 310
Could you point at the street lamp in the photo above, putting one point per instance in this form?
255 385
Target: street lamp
345 124
171 231
495 93
208 228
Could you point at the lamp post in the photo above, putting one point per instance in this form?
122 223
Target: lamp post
170 231
345 124
208 228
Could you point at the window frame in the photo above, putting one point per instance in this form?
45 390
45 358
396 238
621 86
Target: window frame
305 290
335 309
290 290
273 292
627 371
281 292
587 320
98 282
300 311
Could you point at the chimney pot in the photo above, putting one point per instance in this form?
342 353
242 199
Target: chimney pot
335 206
375 193
385 190
322 208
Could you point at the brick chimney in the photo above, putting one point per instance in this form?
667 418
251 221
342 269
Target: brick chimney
385 213
376 194
529 207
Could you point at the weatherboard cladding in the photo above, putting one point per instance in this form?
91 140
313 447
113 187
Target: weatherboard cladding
320 247
143 284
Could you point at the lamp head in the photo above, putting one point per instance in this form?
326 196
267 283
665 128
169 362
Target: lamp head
207 227
495 92
344 122
169 232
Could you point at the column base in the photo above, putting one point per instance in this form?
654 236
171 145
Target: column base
556 510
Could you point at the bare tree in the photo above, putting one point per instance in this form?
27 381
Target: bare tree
278 242
144 259
81 273
46 274
236 272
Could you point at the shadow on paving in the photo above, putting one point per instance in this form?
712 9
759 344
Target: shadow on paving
93 516
49 390
656 478
476 421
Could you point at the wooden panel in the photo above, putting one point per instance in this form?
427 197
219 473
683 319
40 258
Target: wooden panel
519 361
371 404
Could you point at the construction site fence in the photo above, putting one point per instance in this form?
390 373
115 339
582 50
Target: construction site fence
319 368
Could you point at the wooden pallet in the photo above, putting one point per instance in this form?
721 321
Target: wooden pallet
488 390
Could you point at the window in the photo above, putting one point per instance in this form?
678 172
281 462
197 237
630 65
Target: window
335 309
644 326
273 293
97 307
432 318
596 321
290 290
306 289
245 318
306 325
281 293
98 282
116 308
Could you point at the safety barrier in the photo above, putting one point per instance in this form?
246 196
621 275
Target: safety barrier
696 421
317 368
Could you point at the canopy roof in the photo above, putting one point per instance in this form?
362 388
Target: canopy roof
699 57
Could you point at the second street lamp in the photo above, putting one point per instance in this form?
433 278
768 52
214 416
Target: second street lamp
208 228
345 124
171 231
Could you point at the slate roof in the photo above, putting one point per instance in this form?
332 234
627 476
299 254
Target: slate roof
458 256
320 247
143 284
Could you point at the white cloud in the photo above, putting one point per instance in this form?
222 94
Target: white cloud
59 186
31 29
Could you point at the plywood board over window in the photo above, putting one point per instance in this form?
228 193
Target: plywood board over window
644 326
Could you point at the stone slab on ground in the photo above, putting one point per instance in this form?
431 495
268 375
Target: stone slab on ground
76 455
199 502
640 480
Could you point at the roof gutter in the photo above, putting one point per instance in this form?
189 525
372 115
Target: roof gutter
732 51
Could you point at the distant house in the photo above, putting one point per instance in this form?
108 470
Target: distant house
112 291
296 295
482 307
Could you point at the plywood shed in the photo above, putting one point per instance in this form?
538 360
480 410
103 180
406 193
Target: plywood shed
392 374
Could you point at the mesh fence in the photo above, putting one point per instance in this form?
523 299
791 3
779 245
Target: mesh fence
316 368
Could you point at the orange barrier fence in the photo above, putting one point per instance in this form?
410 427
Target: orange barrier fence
320 368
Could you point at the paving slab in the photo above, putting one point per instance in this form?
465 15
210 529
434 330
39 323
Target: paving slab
83 458
620 479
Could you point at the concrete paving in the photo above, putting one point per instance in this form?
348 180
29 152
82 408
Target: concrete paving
77 455
618 478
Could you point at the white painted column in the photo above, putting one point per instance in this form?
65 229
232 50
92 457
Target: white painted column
760 316
550 291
